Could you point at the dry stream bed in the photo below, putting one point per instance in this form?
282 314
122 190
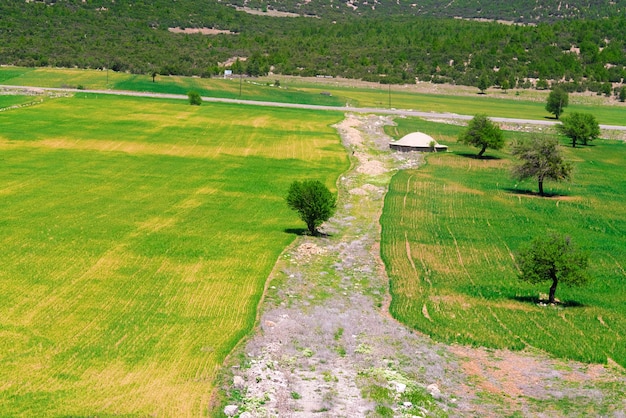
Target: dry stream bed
325 345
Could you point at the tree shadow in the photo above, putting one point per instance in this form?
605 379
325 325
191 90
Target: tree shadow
536 300
552 118
297 231
305 231
525 192
476 157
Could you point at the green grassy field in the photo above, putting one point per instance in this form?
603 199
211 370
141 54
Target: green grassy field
136 237
529 105
450 230
9 101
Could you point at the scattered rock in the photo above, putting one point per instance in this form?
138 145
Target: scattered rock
400 387
231 410
245 415
238 382
434 391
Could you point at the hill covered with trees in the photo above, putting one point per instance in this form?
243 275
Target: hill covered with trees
386 44
517 11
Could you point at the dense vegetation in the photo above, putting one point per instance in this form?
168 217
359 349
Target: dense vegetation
450 232
390 48
136 244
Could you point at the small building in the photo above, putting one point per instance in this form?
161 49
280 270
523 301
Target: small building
417 141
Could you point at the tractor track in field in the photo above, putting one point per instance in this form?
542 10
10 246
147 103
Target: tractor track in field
326 346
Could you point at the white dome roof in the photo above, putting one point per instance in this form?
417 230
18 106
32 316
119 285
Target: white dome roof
417 140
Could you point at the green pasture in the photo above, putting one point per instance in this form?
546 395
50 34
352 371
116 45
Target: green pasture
250 88
7 101
530 104
136 238
496 104
450 231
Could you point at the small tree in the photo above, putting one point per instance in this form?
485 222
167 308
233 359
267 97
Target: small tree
483 83
482 133
579 127
552 258
194 98
313 202
557 100
622 94
505 85
153 75
540 158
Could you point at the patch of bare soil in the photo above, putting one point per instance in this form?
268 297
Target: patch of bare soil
203 31
269 12
325 345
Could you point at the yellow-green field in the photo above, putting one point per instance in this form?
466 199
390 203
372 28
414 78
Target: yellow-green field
450 231
136 237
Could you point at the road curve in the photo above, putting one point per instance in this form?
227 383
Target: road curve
400 112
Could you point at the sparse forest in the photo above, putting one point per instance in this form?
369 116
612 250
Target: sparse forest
385 47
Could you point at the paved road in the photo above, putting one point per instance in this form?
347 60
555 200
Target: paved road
392 111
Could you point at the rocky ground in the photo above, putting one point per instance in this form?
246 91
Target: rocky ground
325 345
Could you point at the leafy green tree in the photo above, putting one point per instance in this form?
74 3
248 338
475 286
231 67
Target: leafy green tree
237 67
153 75
481 132
194 98
540 158
505 85
313 202
579 127
557 101
554 259
622 94
542 84
483 83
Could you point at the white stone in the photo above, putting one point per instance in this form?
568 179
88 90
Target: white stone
407 404
238 382
400 387
231 410
434 390
245 415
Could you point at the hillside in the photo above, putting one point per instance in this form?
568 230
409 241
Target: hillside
388 42
519 11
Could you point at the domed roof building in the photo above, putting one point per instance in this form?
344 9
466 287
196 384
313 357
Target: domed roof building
417 141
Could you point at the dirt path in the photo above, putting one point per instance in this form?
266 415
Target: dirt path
325 346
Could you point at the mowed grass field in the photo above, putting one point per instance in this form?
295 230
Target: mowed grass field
136 238
450 231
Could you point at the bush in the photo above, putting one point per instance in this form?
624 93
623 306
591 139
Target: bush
194 98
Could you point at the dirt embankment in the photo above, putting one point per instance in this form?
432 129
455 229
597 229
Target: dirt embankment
325 345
